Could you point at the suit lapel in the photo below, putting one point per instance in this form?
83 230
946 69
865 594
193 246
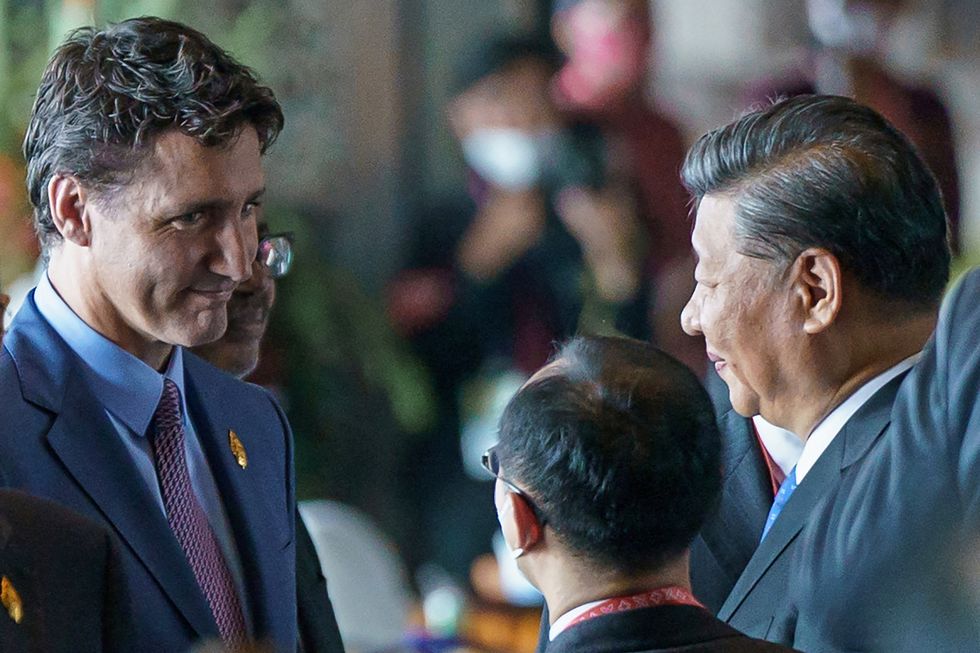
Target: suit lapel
851 444
244 503
90 449
733 534
89 446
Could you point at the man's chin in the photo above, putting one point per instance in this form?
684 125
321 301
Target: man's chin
746 406
203 333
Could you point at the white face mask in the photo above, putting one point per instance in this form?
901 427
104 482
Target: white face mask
508 158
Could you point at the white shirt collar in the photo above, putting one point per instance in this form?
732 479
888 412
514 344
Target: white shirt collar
784 447
830 426
563 622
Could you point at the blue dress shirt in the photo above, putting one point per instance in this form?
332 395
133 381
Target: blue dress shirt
130 392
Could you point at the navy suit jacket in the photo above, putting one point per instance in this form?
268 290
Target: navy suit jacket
56 442
65 571
758 604
896 537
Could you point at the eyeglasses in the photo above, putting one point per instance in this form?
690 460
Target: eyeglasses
276 254
491 463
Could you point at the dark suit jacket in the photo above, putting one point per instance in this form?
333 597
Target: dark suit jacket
318 631
890 553
65 569
758 603
56 441
730 536
650 630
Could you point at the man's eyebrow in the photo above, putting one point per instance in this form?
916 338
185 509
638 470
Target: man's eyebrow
214 204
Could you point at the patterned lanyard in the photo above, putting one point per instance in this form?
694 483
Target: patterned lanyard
672 595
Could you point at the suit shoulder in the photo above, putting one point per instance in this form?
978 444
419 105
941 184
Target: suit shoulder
217 380
744 644
42 522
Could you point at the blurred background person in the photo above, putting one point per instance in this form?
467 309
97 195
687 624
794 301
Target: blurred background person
850 38
607 46
546 244
608 462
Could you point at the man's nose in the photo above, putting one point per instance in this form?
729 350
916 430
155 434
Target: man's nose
237 242
258 281
690 316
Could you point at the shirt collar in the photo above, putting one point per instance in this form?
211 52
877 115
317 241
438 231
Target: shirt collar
563 622
825 432
128 388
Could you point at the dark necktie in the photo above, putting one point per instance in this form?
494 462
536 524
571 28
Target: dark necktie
188 520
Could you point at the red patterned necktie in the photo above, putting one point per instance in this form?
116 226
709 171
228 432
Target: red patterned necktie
188 521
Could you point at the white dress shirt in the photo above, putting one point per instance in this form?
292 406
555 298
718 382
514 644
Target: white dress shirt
784 447
563 622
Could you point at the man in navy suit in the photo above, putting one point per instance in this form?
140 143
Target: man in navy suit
606 467
823 255
144 156
902 539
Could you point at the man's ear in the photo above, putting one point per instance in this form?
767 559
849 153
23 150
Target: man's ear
520 525
818 285
67 202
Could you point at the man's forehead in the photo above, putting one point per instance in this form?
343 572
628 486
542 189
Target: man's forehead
713 226
182 169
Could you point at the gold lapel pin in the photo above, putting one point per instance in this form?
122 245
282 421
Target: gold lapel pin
11 600
237 449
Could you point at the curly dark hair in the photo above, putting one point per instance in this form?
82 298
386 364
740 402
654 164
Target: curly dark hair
107 94
619 450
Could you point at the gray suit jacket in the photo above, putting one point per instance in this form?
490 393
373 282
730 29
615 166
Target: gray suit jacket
758 604
885 574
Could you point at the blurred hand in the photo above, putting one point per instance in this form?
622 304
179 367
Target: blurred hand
506 226
606 226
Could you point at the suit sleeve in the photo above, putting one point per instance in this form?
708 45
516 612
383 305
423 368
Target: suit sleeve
958 383
288 464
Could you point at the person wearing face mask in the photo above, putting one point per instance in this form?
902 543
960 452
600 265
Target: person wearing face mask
546 242
608 462
849 59
607 46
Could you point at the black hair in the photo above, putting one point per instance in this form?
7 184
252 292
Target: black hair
618 447
501 53
826 171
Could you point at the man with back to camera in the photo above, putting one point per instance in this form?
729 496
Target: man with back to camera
144 169
606 466
823 254
237 352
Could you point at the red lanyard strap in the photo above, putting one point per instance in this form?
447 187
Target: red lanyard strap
672 595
